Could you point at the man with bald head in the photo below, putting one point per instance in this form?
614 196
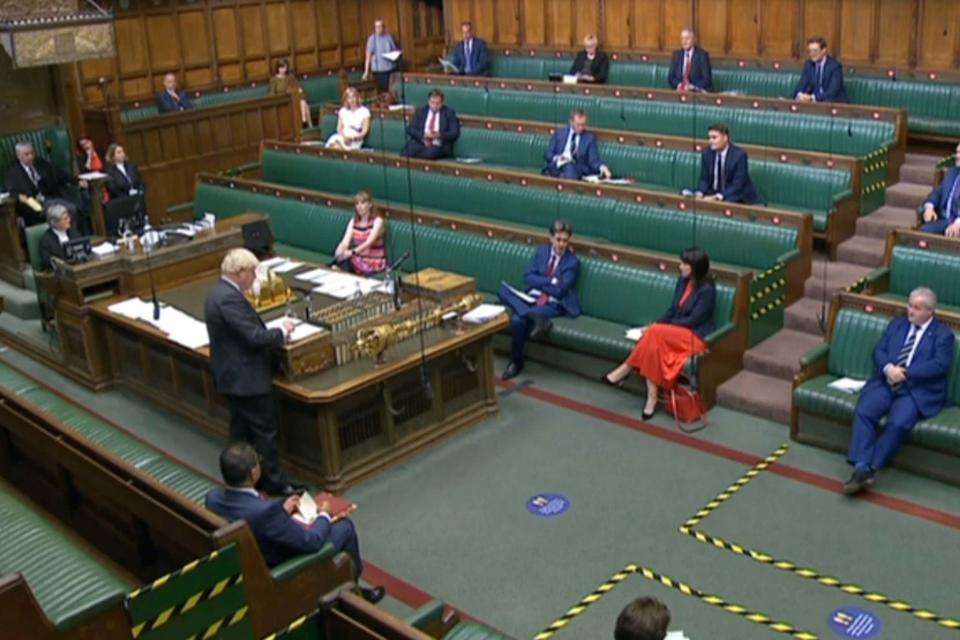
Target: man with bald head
172 99
912 360
690 68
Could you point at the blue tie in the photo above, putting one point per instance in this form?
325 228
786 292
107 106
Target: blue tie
953 200
468 54
819 90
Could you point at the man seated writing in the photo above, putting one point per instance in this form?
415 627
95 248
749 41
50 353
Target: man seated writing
573 151
913 360
279 537
432 130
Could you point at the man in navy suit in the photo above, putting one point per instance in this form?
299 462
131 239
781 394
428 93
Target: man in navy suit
279 537
941 209
573 151
242 362
724 172
822 77
470 56
550 280
913 360
171 99
690 68
432 130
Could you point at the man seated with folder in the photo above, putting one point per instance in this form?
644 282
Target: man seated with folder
279 537
573 151
37 184
550 280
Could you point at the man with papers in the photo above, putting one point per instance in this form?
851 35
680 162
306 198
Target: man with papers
913 361
573 151
279 537
241 357
550 282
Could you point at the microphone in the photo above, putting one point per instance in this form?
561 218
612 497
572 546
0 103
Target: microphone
147 250
399 261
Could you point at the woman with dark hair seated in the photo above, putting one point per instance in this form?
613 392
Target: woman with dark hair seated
362 249
664 347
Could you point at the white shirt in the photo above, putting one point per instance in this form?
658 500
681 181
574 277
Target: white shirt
436 126
916 342
62 236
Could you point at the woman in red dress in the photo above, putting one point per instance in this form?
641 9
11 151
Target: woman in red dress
664 348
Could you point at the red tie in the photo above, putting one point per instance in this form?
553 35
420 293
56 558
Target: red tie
543 298
432 125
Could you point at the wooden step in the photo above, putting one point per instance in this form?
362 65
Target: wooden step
779 355
907 194
806 315
758 395
879 223
862 250
838 276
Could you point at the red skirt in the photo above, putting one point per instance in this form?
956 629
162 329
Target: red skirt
662 351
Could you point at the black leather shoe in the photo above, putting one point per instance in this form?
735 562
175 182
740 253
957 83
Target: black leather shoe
858 482
373 595
512 370
646 416
607 381
541 327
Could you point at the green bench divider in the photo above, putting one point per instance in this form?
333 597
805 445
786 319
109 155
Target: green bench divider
69 585
932 105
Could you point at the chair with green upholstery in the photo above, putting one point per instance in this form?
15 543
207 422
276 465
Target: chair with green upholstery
46 283
204 599
915 263
51 143
822 415
70 586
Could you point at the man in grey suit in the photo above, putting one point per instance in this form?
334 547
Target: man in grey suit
241 356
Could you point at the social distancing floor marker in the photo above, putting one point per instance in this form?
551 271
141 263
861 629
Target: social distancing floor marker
689 528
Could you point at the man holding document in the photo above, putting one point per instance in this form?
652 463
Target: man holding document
573 151
913 361
241 357
550 282
281 532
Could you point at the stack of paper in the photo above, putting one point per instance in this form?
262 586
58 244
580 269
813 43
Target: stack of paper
847 385
178 326
104 249
483 313
92 175
300 331
635 333
676 635
133 308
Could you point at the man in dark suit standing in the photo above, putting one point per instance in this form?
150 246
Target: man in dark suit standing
279 537
690 68
822 77
550 280
432 130
470 55
241 357
573 151
171 99
913 360
34 182
941 209
724 172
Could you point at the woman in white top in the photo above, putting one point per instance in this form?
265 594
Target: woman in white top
353 123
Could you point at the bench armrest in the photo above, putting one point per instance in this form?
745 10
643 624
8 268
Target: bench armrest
877 275
295 566
719 332
428 614
814 355
183 206
784 258
843 195
242 169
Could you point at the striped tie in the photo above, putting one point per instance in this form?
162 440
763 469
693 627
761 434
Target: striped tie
905 351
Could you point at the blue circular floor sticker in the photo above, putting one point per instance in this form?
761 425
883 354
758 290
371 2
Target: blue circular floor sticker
548 505
851 622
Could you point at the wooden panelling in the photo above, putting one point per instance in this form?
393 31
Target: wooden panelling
277 27
163 42
885 33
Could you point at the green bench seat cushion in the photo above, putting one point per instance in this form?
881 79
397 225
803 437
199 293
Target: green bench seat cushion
69 585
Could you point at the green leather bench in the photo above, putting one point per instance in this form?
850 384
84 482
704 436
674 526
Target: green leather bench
766 249
763 127
805 189
932 104
822 416
145 110
51 143
311 232
917 260
69 585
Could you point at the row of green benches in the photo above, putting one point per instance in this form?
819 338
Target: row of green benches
614 294
820 192
932 104
318 90
782 128
774 247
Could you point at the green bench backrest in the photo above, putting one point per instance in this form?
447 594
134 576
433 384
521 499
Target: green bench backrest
51 143
205 598
912 267
782 128
69 585
735 242
491 261
209 99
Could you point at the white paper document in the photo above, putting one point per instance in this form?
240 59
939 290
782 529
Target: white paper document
448 66
847 385
306 509
570 78
676 635
392 56
635 333
287 267
270 263
92 175
313 274
596 179
300 331
523 295
103 250
483 313
133 308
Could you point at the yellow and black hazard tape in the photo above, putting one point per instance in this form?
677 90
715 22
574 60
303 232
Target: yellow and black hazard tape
190 603
810 574
730 491
222 623
588 600
293 626
729 607
162 580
